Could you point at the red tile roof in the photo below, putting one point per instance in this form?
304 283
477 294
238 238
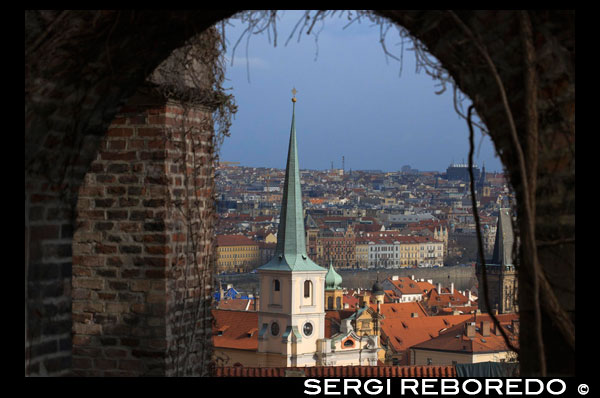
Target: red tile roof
340 371
455 339
235 240
401 310
406 285
235 329
446 299
403 333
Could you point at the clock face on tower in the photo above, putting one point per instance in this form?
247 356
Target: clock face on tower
274 328
307 329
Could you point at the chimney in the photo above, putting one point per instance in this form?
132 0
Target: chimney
439 288
485 328
470 329
468 294
452 288
412 277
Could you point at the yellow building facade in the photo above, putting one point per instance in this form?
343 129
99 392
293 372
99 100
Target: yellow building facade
237 253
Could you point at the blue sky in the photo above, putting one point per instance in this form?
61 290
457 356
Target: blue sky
352 102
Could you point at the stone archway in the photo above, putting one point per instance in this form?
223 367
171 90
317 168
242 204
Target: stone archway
83 66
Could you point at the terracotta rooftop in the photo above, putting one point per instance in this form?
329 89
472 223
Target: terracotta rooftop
235 329
340 371
237 304
403 333
401 310
235 240
455 338
445 299
406 285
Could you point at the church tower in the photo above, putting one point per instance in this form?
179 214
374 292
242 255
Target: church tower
291 317
501 273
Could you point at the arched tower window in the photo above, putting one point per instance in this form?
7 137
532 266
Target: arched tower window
338 303
307 288
276 285
329 303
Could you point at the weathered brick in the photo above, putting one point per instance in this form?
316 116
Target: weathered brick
105 179
91 328
89 261
107 296
116 214
116 144
104 202
130 249
150 132
106 273
118 285
117 307
140 285
88 283
119 132
105 249
103 226
130 273
87 306
117 191
80 294
154 202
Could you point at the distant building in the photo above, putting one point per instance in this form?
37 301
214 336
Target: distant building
237 253
460 172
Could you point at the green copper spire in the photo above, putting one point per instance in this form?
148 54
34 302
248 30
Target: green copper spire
290 252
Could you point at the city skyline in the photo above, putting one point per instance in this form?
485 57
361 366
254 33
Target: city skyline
353 102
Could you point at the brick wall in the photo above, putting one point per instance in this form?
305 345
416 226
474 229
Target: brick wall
142 247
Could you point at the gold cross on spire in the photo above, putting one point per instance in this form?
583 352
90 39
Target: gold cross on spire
294 91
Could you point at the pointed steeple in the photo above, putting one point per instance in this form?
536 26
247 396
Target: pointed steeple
290 252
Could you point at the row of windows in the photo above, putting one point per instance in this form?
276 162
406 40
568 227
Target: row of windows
307 287
237 248
254 255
